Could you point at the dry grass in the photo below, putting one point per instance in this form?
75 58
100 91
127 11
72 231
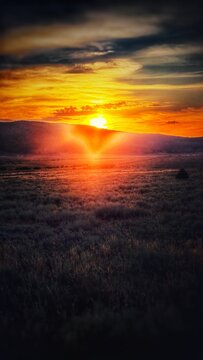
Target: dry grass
98 260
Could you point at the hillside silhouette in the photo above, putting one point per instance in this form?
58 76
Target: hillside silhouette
31 137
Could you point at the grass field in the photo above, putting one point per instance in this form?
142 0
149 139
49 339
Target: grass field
101 259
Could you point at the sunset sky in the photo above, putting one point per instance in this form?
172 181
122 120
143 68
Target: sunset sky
138 65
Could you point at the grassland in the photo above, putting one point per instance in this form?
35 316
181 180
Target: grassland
101 259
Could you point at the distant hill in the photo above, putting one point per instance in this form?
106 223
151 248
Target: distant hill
31 137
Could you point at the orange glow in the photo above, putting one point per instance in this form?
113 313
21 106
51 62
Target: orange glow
74 71
53 94
95 140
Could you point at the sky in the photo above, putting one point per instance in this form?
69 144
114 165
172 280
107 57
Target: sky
137 64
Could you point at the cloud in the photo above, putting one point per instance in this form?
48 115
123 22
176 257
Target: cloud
62 58
164 54
50 10
172 122
80 69
87 109
167 65
164 78
95 27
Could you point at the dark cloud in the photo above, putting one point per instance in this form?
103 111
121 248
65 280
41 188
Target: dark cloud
172 122
76 57
16 13
80 69
176 68
180 24
173 80
87 109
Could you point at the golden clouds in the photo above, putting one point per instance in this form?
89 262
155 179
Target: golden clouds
52 88
75 95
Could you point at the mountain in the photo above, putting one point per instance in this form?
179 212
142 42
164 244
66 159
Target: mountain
32 137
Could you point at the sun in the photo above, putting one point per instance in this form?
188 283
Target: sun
99 122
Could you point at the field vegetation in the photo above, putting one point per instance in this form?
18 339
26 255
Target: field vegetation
101 259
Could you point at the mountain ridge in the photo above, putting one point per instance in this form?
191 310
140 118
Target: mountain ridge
37 137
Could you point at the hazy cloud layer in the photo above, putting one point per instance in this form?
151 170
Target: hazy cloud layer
50 32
